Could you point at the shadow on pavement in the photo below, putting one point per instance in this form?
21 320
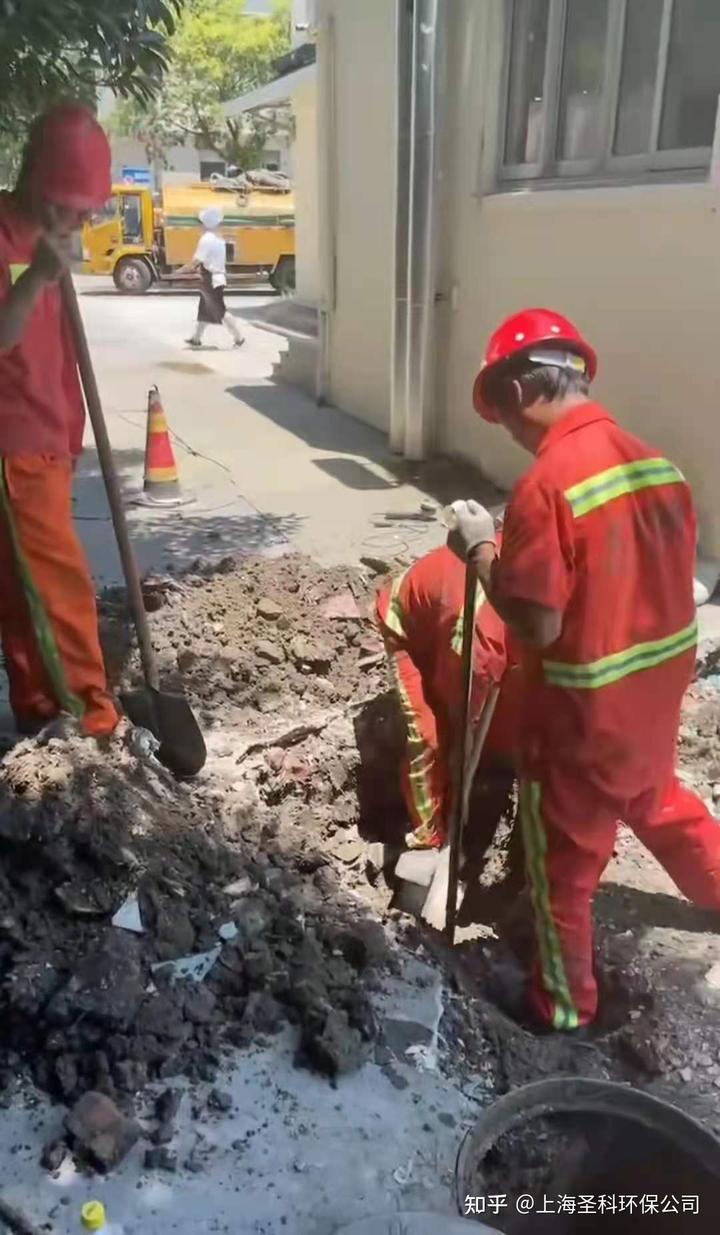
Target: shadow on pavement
325 428
171 539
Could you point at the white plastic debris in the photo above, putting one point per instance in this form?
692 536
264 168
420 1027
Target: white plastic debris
128 917
189 968
228 931
239 886
403 1174
142 743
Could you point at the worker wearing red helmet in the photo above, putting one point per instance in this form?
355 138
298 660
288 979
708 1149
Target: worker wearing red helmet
594 578
48 619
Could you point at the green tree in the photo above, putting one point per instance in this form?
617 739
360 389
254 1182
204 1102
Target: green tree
217 52
51 49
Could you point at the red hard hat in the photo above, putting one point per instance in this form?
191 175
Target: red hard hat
69 158
522 332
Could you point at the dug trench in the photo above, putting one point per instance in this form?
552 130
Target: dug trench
260 870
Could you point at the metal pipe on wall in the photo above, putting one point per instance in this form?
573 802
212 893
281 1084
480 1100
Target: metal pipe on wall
327 198
420 62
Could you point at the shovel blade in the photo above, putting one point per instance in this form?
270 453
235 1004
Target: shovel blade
170 718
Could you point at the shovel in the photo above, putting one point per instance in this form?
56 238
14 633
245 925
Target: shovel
443 891
166 714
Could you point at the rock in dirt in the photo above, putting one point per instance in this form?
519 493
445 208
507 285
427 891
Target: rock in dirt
269 609
161 1159
343 607
168 1104
53 1155
107 986
312 653
100 1131
220 1100
273 653
333 1047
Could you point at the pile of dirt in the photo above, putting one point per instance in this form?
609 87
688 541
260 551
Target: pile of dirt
85 1004
250 641
285 655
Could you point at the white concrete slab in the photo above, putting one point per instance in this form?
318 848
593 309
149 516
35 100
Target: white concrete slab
295 1154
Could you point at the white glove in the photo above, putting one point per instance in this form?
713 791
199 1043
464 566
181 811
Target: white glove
471 526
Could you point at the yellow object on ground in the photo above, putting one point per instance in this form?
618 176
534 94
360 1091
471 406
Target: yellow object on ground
92 1215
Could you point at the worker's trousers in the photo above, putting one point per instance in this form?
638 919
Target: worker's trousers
569 835
48 618
431 737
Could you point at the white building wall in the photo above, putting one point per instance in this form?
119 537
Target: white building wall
308 279
363 169
638 269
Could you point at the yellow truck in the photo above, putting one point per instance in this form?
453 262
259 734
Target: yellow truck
141 238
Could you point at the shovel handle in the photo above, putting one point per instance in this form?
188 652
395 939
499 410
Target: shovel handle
458 807
112 487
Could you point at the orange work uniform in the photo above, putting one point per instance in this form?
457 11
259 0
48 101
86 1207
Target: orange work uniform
602 529
48 618
420 614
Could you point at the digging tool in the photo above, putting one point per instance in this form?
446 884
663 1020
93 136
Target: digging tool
166 714
442 893
440 906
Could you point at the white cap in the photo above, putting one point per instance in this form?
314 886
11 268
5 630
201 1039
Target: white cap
211 216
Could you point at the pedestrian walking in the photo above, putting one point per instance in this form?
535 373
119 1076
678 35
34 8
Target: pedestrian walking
210 263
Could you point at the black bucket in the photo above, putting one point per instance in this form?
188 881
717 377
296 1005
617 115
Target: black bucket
575 1155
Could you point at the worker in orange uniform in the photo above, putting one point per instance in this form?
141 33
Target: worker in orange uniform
420 614
48 618
594 579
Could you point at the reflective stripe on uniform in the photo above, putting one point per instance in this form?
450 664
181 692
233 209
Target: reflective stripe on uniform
394 617
612 668
39 619
565 1015
420 760
618 481
457 636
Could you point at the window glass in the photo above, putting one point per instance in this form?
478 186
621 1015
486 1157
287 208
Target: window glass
692 81
637 80
131 219
523 138
580 134
107 212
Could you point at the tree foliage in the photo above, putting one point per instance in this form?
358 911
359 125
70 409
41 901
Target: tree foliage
60 48
217 52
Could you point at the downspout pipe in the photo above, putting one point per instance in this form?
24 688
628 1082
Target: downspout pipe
327 198
421 52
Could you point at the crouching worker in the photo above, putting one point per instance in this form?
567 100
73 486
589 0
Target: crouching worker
421 619
48 619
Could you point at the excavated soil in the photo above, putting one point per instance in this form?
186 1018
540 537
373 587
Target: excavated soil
282 664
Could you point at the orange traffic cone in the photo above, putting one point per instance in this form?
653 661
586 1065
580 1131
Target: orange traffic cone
161 486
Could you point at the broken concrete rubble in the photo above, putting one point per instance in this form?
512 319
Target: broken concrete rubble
100 1131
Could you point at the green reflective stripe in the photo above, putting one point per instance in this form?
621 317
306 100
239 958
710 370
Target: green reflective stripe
457 635
617 481
394 616
420 760
38 614
612 668
16 269
565 1015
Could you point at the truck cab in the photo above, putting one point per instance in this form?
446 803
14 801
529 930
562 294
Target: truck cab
119 239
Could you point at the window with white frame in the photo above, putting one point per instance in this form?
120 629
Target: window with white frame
598 89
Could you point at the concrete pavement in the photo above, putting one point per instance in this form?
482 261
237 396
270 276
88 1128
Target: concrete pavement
269 468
